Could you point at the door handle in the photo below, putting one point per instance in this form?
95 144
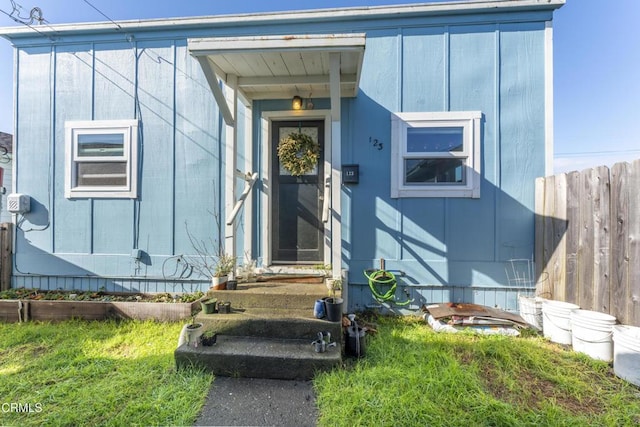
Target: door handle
326 198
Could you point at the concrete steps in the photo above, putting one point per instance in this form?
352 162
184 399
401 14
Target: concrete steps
268 334
269 322
298 296
260 357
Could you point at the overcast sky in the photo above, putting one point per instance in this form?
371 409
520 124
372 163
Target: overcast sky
596 63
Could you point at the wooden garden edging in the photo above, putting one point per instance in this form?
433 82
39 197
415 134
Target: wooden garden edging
588 239
24 310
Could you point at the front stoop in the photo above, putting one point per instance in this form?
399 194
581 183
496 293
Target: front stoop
259 357
268 334
273 323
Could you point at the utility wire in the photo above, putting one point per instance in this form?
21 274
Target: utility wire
594 153
101 13
34 15
26 24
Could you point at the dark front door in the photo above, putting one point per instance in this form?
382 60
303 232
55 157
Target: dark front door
297 200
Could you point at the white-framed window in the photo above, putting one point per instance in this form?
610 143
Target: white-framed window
101 159
435 154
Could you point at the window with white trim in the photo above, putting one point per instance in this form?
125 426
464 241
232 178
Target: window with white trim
435 154
101 159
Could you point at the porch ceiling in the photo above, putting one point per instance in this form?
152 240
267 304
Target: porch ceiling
279 67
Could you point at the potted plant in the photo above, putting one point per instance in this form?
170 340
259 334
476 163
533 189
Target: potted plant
232 284
333 304
333 285
223 267
208 338
224 307
193 331
209 305
211 260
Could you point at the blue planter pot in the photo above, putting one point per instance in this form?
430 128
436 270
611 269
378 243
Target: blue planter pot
319 310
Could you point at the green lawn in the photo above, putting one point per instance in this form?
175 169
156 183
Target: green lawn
96 373
412 376
122 373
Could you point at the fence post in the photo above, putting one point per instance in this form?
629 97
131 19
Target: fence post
634 244
6 257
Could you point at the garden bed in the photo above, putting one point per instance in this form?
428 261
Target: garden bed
19 305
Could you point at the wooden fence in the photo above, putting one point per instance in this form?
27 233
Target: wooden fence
587 248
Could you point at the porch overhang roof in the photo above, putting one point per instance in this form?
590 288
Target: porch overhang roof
280 67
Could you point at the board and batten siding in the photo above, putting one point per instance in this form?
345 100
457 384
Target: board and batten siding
180 165
447 249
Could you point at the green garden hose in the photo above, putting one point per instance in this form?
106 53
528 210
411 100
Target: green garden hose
383 278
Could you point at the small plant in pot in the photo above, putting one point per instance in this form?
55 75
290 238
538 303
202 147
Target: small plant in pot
333 285
333 304
224 266
193 331
208 338
209 305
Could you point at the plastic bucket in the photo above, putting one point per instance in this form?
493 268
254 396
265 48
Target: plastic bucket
626 353
591 333
556 324
531 310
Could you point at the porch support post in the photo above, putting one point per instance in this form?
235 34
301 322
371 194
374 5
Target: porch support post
231 156
247 256
336 162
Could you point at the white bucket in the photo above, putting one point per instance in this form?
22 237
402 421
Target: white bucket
626 353
555 320
531 310
591 333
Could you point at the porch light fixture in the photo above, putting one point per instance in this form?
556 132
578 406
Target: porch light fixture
296 103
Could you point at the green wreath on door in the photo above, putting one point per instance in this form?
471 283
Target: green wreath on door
298 153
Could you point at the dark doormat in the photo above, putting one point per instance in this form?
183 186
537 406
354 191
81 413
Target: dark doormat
259 402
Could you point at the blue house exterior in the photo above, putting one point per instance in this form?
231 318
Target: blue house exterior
134 138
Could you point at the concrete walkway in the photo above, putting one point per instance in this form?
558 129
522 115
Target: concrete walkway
259 402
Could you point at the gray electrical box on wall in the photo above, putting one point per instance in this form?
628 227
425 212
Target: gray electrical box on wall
18 203
350 174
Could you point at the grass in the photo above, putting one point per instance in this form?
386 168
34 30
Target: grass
96 373
122 373
413 376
